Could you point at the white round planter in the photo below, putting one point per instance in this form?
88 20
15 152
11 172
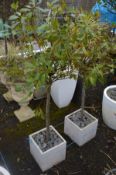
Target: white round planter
109 109
62 91
3 171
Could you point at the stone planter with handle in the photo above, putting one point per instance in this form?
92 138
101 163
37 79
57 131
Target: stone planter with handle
6 82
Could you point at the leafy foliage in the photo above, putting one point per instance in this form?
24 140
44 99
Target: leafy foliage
26 20
77 42
91 48
57 60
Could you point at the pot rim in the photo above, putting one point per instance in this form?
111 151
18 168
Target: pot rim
106 95
37 146
82 129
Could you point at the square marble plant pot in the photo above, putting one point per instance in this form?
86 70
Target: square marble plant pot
47 155
79 129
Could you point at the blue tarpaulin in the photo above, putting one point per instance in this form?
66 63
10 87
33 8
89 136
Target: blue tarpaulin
107 13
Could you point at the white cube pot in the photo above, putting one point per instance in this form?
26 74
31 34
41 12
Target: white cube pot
80 135
62 91
109 109
52 156
3 171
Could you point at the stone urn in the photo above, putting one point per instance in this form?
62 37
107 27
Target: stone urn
23 98
3 77
7 83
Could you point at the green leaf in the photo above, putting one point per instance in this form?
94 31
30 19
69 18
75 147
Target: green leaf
13 17
43 10
39 113
55 23
15 5
42 28
92 80
24 10
54 2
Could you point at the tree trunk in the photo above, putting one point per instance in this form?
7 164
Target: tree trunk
5 46
48 115
83 100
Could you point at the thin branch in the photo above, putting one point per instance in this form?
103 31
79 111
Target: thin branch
108 157
92 107
73 173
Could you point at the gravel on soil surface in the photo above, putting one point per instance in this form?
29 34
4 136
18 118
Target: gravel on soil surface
112 93
40 139
81 121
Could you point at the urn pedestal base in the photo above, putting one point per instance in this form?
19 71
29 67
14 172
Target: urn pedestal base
24 113
8 96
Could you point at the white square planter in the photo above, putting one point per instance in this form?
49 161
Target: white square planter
77 134
51 157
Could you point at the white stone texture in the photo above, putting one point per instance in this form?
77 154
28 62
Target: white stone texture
62 91
109 109
49 158
80 135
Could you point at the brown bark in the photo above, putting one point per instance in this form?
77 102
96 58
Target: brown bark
48 114
6 47
83 100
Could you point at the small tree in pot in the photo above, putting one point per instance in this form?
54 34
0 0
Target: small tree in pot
53 64
47 146
93 61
